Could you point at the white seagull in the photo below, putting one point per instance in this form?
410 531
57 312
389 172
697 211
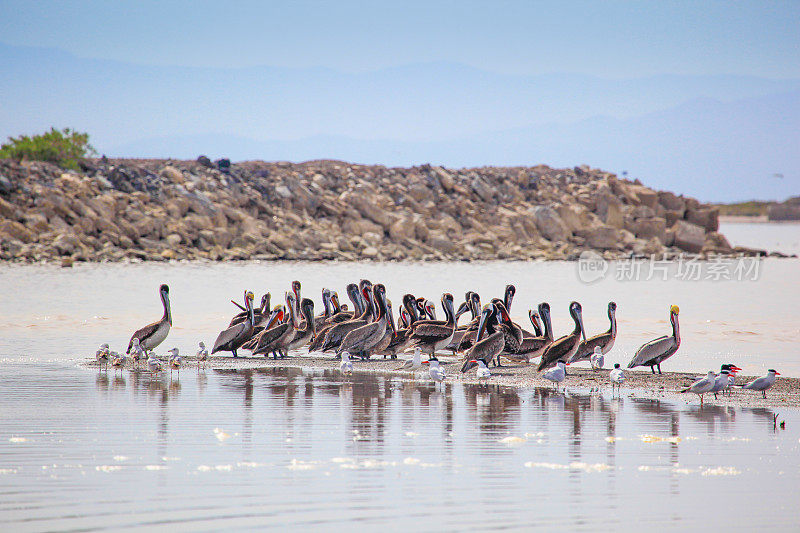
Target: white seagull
413 364
137 352
117 361
702 386
202 355
174 361
763 383
557 374
436 372
617 376
346 366
597 358
153 364
102 355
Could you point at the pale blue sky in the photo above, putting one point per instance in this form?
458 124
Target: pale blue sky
613 39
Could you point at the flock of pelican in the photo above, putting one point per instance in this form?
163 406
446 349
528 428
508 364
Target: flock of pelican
369 329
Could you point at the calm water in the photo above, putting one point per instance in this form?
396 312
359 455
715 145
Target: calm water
302 449
781 237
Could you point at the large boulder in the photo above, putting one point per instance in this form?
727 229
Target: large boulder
549 223
645 228
705 217
17 231
672 202
604 238
689 237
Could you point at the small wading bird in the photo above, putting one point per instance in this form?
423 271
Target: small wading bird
482 372
557 374
413 364
174 361
154 334
202 355
763 383
153 364
702 386
597 359
346 367
617 376
102 356
117 361
655 352
136 352
435 371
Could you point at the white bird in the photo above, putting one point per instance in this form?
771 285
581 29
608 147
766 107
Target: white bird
137 352
174 361
413 364
153 364
597 358
702 386
732 378
435 371
202 355
346 366
102 355
557 374
617 376
117 361
721 381
482 371
763 383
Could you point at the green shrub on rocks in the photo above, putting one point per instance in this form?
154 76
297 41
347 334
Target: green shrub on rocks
66 148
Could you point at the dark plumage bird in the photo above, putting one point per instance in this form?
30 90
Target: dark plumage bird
604 341
231 339
655 352
154 334
490 340
564 348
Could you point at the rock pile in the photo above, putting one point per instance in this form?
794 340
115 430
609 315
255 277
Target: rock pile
157 210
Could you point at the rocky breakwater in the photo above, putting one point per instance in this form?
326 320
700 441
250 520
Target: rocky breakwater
158 210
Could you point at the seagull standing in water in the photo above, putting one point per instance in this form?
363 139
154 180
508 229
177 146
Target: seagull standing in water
117 361
597 359
174 361
557 374
346 367
435 371
702 386
202 355
137 352
763 383
102 355
153 364
617 376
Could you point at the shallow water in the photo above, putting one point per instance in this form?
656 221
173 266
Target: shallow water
292 448
771 236
51 313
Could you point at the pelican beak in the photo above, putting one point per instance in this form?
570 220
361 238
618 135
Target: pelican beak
777 373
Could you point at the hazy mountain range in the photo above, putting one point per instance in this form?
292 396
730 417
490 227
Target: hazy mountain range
718 138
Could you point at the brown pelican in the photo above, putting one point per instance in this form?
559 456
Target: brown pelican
324 318
336 334
275 339
382 346
362 340
604 341
296 292
304 334
433 336
654 353
339 316
511 331
401 338
490 340
260 314
534 317
565 347
231 339
535 346
508 296
154 334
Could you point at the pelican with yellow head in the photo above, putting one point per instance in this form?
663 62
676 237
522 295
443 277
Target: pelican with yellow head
655 352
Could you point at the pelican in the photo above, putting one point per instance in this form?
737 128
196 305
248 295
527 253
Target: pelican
762 383
436 372
557 374
276 339
303 335
433 336
702 386
102 355
655 352
346 367
508 296
604 341
339 316
362 340
261 313
535 346
174 361
565 347
202 355
535 318
231 339
402 337
413 364
154 334
335 335
490 340
597 359
617 376
512 335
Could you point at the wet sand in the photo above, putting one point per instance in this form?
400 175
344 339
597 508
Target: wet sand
640 384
